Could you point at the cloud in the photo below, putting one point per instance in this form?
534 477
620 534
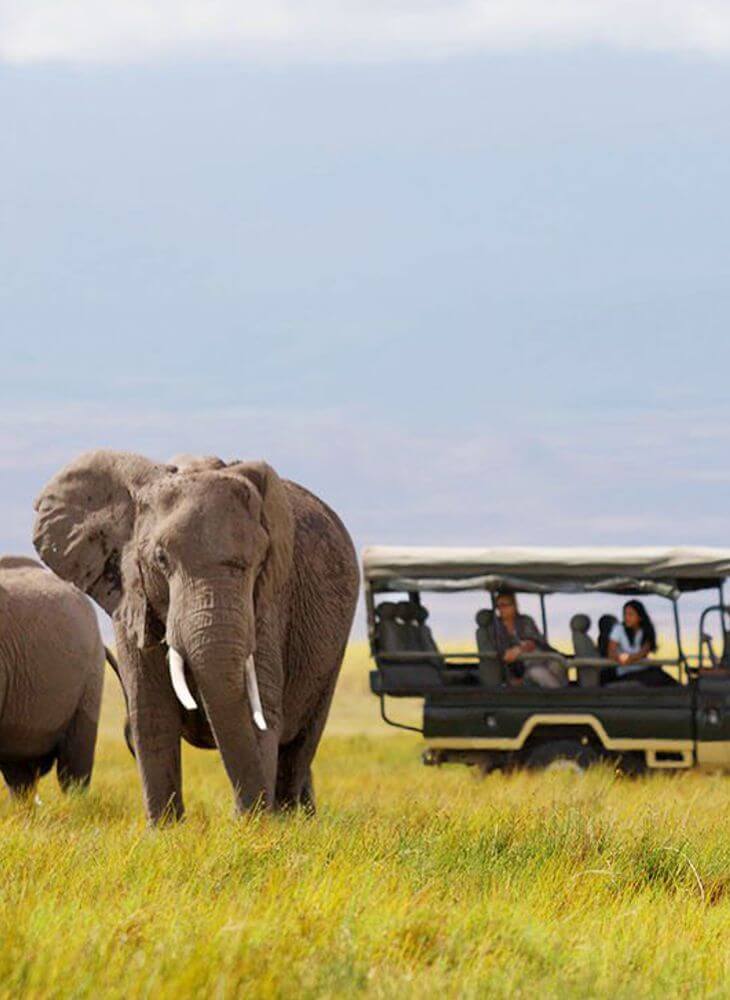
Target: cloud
643 477
348 30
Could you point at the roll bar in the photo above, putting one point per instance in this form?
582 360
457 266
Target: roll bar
539 655
565 661
705 639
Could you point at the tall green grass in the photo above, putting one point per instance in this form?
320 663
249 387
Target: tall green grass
410 882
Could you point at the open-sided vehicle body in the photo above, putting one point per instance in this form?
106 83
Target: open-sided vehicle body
473 715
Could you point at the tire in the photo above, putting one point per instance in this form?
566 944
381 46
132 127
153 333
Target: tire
561 755
631 765
487 763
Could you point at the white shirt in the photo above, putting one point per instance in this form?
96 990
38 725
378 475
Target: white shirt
626 645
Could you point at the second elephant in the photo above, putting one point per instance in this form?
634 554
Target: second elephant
51 677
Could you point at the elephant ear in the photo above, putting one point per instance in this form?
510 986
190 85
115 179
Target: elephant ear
134 610
86 518
277 520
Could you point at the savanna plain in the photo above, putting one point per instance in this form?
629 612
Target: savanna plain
410 882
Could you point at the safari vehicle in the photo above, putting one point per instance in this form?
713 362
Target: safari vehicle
473 716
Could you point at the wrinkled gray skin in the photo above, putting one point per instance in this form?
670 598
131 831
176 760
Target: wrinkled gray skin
51 677
219 562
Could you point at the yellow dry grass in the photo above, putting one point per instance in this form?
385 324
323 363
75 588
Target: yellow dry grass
411 882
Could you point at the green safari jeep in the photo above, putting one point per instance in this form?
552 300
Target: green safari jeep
476 712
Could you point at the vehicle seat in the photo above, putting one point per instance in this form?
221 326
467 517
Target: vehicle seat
406 614
401 628
450 673
724 660
585 647
490 671
425 638
389 634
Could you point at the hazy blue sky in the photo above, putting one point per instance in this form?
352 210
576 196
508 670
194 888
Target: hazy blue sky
475 298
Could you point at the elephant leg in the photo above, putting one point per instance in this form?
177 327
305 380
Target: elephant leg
155 724
306 798
156 731
75 760
21 778
294 785
269 750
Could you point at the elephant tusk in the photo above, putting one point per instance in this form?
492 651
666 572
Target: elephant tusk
252 686
177 676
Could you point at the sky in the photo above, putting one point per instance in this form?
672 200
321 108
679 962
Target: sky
461 268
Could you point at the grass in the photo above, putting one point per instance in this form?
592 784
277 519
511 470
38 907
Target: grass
411 882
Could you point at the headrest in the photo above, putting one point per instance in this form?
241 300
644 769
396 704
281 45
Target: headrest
405 610
420 614
485 618
606 622
386 611
580 623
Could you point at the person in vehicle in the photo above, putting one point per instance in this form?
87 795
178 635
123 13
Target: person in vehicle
605 627
516 635
630 642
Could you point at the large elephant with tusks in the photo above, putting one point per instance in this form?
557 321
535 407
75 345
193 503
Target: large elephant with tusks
232 593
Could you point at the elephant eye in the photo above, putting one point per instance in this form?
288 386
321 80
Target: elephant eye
161 558
234 564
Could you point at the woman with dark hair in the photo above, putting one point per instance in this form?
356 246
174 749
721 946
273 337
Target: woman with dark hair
630 642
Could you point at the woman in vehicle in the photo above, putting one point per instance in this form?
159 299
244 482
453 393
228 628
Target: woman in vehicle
630 642
517 635
605 627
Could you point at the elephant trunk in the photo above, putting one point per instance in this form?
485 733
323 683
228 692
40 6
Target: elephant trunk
187 700
212 622
211 639
221 683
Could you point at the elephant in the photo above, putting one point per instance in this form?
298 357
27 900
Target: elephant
231 592
51 678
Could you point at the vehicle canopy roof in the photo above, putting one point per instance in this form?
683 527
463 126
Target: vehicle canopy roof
633 570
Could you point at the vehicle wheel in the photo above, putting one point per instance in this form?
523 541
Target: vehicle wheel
487 763
561 755
631 765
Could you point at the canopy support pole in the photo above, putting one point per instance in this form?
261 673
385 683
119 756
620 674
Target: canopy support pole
723 609
370 611
678 633
495 616
544 617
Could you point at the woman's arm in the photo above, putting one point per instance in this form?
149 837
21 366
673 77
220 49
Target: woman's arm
532 634
625 659
641 655
512 654
614 652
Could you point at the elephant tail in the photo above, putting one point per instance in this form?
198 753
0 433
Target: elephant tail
111 660
114 664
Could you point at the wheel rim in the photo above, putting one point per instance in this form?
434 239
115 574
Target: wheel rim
565 764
